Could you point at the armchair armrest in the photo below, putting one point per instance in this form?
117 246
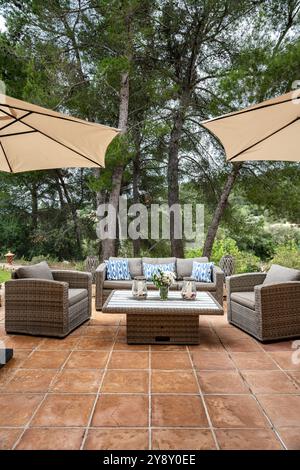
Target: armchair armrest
244 282
75 279
100 276
35 302
278 309
218 280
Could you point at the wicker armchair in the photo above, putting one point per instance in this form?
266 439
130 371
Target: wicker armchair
46 307
267 312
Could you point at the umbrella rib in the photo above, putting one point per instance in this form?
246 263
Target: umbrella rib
264 138
243 111
86 123
60 143
10 168
17 133
14 121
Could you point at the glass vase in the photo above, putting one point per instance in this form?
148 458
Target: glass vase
163 292
139 288
188 291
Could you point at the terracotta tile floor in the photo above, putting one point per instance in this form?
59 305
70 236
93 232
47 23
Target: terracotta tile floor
93 391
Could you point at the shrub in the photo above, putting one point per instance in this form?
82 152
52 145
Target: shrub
287 255
245 261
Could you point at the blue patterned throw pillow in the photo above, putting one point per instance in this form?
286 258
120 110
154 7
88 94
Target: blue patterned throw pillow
202 271
117 269
150 269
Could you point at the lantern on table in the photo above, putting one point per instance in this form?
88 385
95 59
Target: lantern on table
139 288
189 291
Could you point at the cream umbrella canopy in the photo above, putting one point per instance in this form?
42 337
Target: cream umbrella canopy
36 138
267 131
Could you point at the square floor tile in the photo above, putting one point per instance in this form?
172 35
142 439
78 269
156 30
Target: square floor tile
58 344
283 410
266 381
125 381
87 360
17 409
51 439
241 345
170 360
122 345
204 360
103 332
253 361
178 410
117 439
64 410
173 382
167 347
235 411
121 410
101 319
288 360
278 346
77 381
290 437
22 342
129 360
8 437
46 360
182 439
94 343
19 357
221 381
247 439
28 380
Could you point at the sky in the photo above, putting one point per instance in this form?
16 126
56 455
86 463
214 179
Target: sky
2 24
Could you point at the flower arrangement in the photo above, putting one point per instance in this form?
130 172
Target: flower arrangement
163 280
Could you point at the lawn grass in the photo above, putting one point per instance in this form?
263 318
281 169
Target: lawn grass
4 275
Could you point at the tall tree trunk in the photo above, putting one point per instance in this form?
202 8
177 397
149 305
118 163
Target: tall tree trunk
220 209
73 211
34 206
109 244
173 172
135 186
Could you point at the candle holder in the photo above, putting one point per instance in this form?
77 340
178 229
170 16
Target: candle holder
139 288
189 291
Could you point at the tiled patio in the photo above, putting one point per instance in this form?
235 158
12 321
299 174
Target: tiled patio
93 391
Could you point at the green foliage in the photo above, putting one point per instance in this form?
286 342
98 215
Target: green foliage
287 255
244 261
5 275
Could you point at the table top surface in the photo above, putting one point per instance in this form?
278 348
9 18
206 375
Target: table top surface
122 301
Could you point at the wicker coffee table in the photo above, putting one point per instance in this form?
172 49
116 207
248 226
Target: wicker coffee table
155 321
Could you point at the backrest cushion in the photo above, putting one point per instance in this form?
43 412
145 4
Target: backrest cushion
135 266
202 272
117 269
150 269
159 260
184 266
278 274
36 271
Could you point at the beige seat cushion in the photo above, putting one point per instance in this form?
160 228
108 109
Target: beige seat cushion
278 274
36 271
151 286
201 286
108 284
184 266
159 260
244 298
76 295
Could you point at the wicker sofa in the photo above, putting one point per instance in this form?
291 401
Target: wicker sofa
183 269
48 307
264 305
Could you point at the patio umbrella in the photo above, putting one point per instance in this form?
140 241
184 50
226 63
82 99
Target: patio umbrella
266 131
36 138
